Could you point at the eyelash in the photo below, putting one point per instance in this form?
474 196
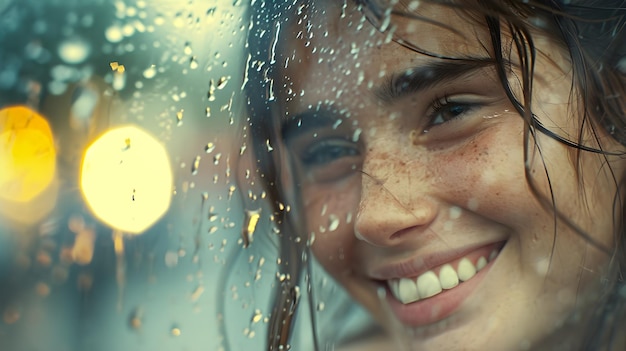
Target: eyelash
440 104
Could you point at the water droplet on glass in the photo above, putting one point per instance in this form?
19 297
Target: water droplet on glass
257 317
193 63
179 117
175 331
195 295
209 147
211 93
321 306
251 221
188 50
216 159
333 222
208 112
195 165
221 83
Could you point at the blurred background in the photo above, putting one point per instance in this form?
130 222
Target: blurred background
121 218
118 203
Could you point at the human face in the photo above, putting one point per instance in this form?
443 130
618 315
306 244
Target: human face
412 173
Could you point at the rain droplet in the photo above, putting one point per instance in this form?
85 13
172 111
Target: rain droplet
257 316
334 222
211 93
175 331
195 165
221 83
321 306
216 159
209 147
188 50
74 50
208 112
193 63
251 221
179 117
231 190
195 295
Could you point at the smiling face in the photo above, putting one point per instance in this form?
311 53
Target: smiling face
412 175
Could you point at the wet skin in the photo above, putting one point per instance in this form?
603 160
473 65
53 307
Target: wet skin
412 173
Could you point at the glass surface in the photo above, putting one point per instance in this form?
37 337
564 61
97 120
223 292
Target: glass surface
312 175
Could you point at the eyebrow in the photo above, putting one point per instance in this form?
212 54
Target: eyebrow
422 77
308 120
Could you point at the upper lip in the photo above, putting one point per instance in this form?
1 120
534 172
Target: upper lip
423 263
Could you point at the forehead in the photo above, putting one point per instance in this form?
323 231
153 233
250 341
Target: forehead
325 43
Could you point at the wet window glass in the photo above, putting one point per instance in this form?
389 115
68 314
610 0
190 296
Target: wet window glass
312 175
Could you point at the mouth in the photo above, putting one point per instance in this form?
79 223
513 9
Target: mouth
435 294
445 277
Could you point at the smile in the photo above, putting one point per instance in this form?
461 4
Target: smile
435 281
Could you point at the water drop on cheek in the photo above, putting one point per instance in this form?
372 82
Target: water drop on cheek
472 204
455 212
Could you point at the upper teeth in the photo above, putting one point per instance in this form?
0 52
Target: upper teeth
429 284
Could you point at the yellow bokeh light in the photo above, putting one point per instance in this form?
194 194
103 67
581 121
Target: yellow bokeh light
27 154
126 179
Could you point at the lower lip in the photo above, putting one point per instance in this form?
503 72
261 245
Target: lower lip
438 307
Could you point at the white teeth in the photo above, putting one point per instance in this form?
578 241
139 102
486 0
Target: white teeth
493 255
481 263
466 269
428 285
448 277
407 291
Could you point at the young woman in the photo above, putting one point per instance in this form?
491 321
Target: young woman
457 166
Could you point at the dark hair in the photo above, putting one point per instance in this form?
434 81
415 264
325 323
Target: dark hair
591 34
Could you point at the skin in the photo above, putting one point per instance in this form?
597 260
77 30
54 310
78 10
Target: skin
398 191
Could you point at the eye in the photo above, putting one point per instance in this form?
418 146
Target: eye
330 159
328 151
446 109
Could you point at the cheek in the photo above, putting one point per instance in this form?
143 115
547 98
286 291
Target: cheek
486 175
330 213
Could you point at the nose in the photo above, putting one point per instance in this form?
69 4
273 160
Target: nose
393 210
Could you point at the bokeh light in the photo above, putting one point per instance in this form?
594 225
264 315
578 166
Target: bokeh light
27 154
126 179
